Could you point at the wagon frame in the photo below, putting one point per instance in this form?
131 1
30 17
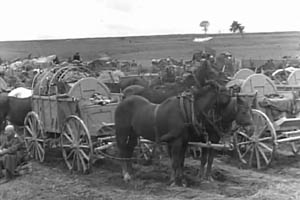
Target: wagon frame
258 149
71 120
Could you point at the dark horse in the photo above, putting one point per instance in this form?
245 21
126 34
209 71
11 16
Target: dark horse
136 116
158 93
219 124
13 109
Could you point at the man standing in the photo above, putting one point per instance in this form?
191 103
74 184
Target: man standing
76 57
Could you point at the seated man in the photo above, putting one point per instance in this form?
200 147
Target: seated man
12 152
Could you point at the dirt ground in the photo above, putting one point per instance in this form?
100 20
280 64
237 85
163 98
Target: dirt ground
51 180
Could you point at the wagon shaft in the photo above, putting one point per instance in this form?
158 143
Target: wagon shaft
226 147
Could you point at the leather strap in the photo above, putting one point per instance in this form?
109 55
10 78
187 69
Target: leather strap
188 111
155 124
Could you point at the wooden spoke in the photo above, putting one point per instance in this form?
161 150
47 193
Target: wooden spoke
263 155
265 147
248 148
29 146
245 143
70 133
257 149
84 155
29 131
261 130
67 145
84 146
76 140
244 135
251 157
257 157
73 162
68 138
78 164
70 154
145 151
83 163
41 152
34 136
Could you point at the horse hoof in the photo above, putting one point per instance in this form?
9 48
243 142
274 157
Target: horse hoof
207 180
127 177
182 183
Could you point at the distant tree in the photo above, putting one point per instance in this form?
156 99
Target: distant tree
204 25
237 27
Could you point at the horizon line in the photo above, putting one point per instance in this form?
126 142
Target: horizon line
153 35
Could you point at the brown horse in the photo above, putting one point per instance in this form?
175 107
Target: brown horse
227 111
136 116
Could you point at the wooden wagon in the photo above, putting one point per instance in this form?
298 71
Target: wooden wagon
78 117
276 116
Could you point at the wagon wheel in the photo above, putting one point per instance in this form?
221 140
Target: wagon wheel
34 136
145 151
258 148
105 145
76 143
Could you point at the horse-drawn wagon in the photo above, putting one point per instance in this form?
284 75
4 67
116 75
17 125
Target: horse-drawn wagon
276 117
71 109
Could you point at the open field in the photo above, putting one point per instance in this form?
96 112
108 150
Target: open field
52 180
144 48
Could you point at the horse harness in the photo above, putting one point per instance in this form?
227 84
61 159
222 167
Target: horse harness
188 111
186 104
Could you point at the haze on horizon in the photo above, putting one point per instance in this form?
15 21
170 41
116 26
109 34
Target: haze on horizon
59 19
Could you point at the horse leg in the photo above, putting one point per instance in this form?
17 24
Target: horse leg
211 155
204 157
126 145
178 148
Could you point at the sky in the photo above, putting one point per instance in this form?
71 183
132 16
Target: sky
55 19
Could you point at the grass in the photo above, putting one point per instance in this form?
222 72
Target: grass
144 48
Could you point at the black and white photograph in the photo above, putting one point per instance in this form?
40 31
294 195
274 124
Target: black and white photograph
149 100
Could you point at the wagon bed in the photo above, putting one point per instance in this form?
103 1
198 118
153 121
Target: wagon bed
74 120
277 119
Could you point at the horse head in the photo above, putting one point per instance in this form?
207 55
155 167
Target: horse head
244 111
234 108
207 71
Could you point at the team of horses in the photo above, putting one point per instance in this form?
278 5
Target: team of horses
199 109
204 114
